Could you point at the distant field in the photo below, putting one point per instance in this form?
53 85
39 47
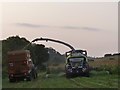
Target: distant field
96 80
104 61
109 61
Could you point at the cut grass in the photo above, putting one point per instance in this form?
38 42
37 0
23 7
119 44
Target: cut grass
52 82
99 80
57 83
96 80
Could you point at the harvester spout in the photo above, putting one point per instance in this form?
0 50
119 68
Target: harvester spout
46 39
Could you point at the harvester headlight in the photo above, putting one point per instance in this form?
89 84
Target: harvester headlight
69 70
73 67
79 66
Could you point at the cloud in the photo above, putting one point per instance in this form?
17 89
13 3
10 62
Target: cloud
89 28
61 27
80 28
31 25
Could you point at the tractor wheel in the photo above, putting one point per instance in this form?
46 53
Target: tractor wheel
29 78
11 80
35 76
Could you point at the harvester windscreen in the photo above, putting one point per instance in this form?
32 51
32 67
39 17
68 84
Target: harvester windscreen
76 61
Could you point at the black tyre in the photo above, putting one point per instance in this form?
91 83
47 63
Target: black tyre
68 75
34 76
11 80
29 78
87 74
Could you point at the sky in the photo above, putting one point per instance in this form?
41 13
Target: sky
91 26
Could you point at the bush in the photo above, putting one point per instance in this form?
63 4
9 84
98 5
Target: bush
57 70
111 69
4 72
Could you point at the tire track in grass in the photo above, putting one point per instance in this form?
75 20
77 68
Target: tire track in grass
110 80
106 83
85 84
97 82
115 79
78 84
55 81
39 80
103 85
112 83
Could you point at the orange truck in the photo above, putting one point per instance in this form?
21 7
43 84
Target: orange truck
20 66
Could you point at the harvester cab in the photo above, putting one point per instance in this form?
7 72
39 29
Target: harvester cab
76 53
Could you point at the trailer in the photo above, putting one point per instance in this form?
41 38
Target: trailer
20 66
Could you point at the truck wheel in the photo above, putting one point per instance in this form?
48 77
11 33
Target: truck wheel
11 80
34 76
29 78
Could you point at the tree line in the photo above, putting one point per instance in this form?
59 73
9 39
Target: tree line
39 53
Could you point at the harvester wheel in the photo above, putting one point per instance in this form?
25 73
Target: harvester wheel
68 75
87 74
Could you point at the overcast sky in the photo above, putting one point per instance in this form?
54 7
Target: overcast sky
92 26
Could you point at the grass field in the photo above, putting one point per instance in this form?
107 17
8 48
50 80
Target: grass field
57 79
108 61
96 80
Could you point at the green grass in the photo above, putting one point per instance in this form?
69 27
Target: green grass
53 81
0 82
96 80
56 83
99 80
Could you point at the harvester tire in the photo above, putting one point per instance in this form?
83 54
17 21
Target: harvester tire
87 74
68 75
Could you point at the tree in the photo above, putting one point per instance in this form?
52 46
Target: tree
39 53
